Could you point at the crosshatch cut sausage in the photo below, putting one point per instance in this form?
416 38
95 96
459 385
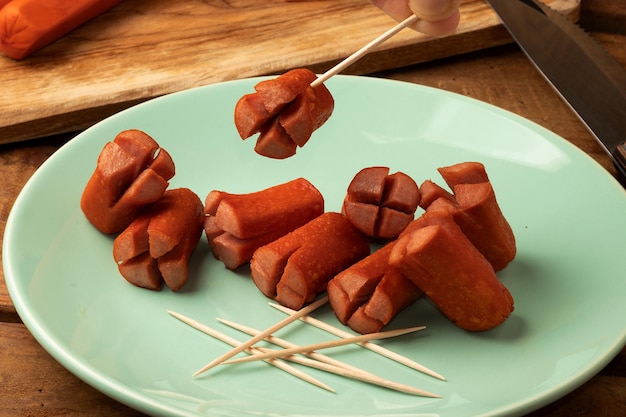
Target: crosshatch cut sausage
380 204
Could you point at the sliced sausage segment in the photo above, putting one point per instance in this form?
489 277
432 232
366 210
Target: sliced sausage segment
285 111
295 268
448 268
475 209
158 244
131 173
369 294
394 293
238 224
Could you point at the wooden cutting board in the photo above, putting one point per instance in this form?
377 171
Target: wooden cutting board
141 49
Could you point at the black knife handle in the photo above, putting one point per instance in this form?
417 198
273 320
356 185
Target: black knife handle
619 160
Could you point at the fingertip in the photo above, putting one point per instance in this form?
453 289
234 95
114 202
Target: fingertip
439 28
434 10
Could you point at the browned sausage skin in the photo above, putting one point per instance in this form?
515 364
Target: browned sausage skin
369 294
394 293
365 295
237 224
285 111
474 207
295 268
131 173
447 267
156 247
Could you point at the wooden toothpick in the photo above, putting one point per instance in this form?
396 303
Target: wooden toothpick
333 365
361 376
371 346
287 344
297 314
325 345
252 350
364 50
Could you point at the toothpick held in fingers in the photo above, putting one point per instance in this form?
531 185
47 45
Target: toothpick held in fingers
302 312
325 345
371 346
364 50
231 341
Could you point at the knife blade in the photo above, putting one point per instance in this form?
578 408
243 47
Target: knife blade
589 80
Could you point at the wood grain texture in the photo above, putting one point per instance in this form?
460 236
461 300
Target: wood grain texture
17 164
34 384
142 49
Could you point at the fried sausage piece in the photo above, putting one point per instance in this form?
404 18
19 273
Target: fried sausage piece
394 293
250 115
277 93
353 286
464 173
26 26
237 224
448 268
494 237
142 271
369 294
430 191
477 213
174 265
284 111
381 205
475 209
158 244
306 113
275 142
295 268
131 173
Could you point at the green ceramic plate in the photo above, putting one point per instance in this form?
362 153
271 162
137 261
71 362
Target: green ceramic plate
567 280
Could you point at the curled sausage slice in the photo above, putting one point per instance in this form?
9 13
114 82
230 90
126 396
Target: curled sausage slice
278 92
295 268
285 111
464 173
158 244
379 204
449 269
237 224
369 294
475 209
131 173
430 191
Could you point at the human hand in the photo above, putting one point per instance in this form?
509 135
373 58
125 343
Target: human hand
437 17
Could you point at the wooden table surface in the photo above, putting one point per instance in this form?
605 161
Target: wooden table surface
34 384
141 49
